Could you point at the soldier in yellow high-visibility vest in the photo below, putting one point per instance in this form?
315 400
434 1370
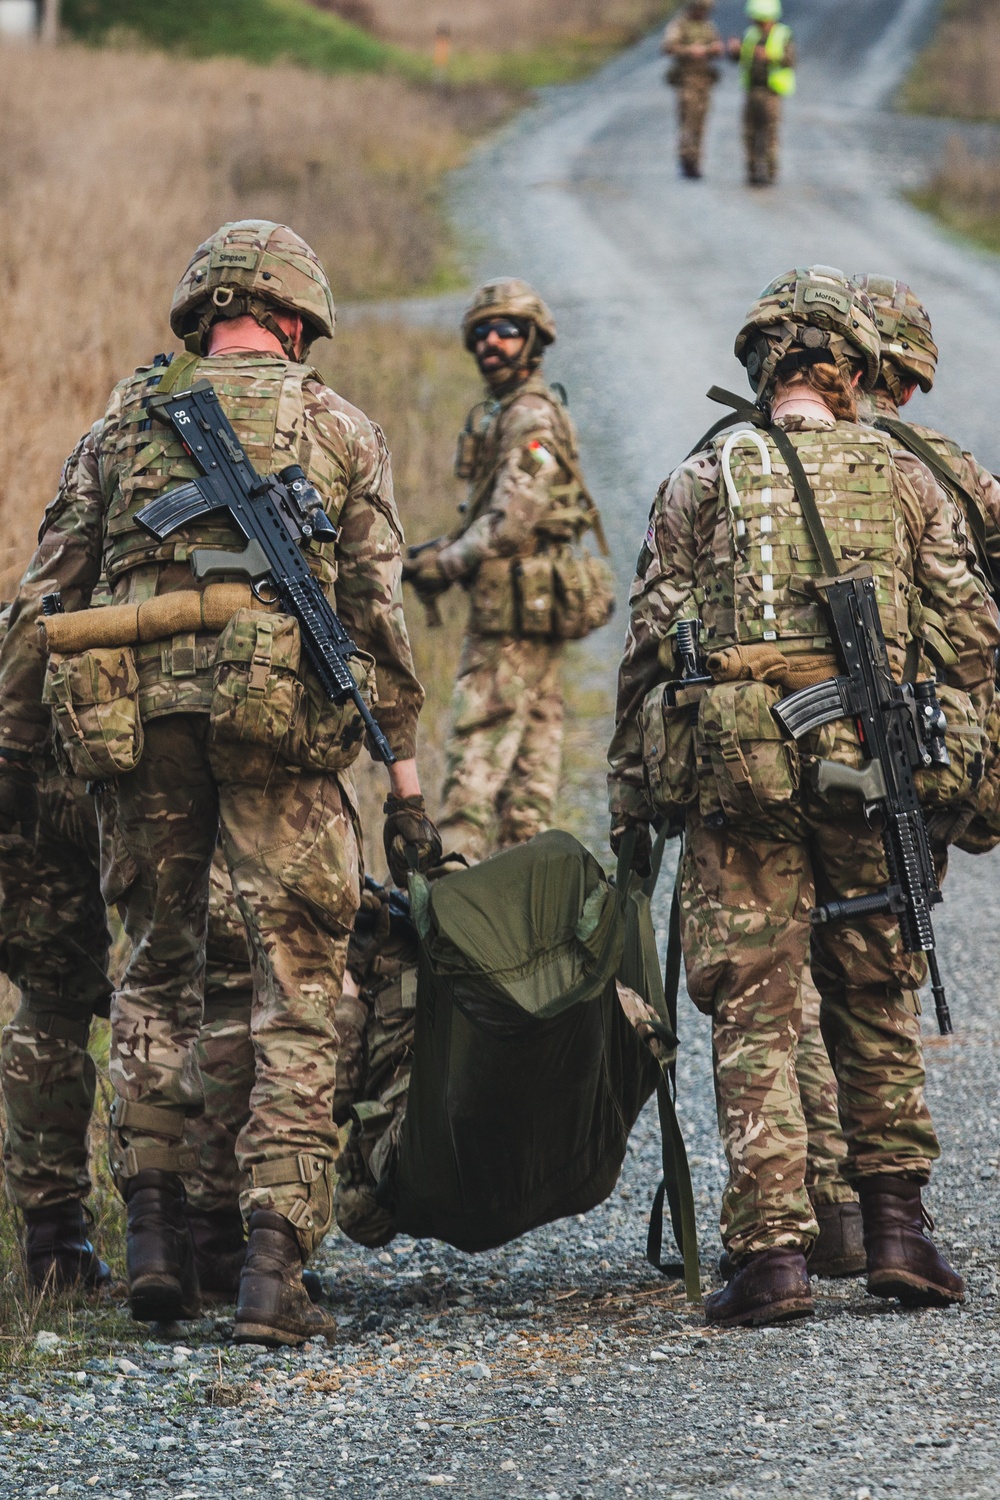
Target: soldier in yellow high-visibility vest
766 57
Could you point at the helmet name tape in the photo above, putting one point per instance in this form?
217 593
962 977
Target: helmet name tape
244 260
806 294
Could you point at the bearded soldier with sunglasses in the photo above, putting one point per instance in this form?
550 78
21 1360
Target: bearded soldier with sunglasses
527 508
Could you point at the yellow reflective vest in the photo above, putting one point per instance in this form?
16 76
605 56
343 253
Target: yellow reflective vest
780 79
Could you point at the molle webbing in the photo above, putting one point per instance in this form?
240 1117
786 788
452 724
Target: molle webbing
155 619
802 506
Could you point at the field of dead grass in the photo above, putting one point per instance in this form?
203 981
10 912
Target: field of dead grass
958 75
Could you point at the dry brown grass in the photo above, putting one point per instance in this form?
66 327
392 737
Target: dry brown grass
113 166
964 192
502 25
959 73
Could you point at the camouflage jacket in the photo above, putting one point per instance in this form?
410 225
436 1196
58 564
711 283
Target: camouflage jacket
682 33
979 483
516 478
89 525
676 559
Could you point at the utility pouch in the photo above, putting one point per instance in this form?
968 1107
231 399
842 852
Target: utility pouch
492 602
535 595
584 590
256 693
965 741
467 454
668 746
94 698
746 765
327 736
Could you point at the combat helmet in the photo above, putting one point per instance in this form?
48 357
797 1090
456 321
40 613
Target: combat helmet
510 297
251 267
817 310
764 10
904 327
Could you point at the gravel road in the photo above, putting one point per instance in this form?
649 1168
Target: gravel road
561 1366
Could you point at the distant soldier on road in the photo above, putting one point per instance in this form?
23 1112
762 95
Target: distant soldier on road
530 589
694 44
766 57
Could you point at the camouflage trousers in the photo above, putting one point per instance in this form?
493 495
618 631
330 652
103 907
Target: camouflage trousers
745 902
56 943
293 857
505 751
55 946
693 100
761 120
826 1148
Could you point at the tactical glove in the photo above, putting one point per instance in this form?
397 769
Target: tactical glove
18 803
409 838
643 851
424 573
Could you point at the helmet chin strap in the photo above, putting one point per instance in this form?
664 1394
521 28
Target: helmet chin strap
241 305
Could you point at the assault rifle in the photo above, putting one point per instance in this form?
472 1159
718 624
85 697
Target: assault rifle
901 728
432 613
276 513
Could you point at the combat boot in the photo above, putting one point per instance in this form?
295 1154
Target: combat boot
162 1280
274 1307
220 1248
771 1286
57 1252
903 1260
839 1249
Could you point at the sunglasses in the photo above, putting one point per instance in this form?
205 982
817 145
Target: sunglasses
504 328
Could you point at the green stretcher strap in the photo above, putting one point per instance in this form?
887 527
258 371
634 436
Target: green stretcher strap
675 1188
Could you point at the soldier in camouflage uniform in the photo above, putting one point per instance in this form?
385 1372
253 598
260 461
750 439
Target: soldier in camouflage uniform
519 452
268 779
728 545
694 44
766 57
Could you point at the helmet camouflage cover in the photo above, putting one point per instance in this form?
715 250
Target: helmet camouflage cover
248 267
508 297
904 327
816 309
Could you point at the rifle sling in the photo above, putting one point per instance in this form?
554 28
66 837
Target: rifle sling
939 466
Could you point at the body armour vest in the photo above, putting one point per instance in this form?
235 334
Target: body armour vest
262 395
754 585
480 447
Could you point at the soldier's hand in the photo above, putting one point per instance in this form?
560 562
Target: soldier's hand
18 802
642 854
409 837
424 573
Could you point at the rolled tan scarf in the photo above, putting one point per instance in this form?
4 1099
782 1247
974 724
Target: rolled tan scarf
154 620
753 663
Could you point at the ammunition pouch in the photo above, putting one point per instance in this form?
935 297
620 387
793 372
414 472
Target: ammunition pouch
584 590
748 770
492 601
669 758
268 708
94 698
983 831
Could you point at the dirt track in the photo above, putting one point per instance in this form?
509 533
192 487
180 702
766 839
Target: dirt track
562 1366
